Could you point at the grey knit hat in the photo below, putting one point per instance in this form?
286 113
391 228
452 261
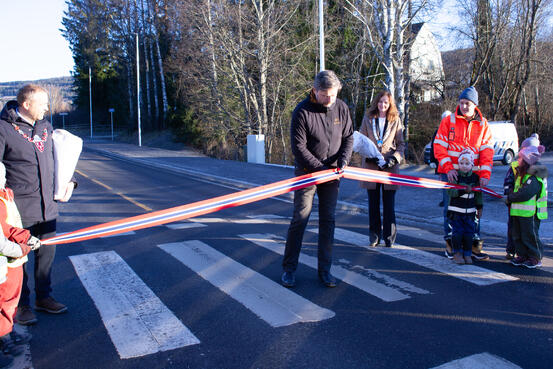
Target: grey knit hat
471 94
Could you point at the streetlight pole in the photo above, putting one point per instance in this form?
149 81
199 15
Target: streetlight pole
90 96
321 37
138 91
111 110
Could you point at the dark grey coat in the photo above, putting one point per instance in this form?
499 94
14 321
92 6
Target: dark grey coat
321 137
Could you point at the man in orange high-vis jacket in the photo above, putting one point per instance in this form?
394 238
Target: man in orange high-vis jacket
466 128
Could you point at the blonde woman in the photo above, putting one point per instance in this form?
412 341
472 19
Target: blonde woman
381 124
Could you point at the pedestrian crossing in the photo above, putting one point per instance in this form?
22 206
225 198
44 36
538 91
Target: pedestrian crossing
139 324
470 273
377 284
275 304
137 321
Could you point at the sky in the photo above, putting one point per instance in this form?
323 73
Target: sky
31 42
33 47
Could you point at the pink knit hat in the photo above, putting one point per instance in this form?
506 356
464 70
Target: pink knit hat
531 154
533 140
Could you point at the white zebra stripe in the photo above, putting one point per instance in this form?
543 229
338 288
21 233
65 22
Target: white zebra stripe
137 322
275 304
389 289
469 273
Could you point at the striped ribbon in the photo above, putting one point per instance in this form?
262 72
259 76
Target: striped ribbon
245 197
194 209
378 176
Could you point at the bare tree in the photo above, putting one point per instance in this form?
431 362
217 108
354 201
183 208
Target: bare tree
387 24
504 34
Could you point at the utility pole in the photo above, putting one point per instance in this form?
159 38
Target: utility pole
90 96
138 91
321 37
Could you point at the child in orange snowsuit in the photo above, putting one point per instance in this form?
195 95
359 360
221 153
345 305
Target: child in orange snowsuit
15 244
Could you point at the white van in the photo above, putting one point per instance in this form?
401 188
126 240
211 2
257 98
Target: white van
505 142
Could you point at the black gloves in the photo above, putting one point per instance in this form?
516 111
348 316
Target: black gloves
342 163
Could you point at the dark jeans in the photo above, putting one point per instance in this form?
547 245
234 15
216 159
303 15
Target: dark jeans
303 202
44 257
385 228
463 228
447 226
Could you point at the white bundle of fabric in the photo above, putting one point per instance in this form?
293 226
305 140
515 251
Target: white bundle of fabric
364 146
67 148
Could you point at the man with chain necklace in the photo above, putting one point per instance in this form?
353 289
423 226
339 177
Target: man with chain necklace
26 149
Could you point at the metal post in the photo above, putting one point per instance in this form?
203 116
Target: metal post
63 114
138 91
321 37
111 110
90 96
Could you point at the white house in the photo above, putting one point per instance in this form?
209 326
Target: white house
425 68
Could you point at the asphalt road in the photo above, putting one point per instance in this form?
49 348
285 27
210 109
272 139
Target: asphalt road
435 318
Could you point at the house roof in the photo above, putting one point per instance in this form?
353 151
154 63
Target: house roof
416 27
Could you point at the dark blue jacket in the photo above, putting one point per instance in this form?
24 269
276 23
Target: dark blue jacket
29 172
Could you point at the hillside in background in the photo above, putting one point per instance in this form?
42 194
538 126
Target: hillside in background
60 88
458 65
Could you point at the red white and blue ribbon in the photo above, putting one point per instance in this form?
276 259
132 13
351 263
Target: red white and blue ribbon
378 176
194 209
368 175
245 197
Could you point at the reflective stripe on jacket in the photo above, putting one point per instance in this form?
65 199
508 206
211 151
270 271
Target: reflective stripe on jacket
532 206
11 226
455 134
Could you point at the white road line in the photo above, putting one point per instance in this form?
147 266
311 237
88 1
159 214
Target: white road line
138 323
495 251
386 288
234 220
267 216
469 273
479 361
185 225
276 305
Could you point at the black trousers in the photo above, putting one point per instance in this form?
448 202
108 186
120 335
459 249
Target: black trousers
525 233
303 203
382 228
44 258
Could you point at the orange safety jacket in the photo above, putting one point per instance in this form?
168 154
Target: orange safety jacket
455 134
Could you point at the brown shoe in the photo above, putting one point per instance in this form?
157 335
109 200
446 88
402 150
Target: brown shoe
468 259
50 305
458 258
25 315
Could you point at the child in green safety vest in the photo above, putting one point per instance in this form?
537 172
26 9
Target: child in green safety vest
508 188
528 207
